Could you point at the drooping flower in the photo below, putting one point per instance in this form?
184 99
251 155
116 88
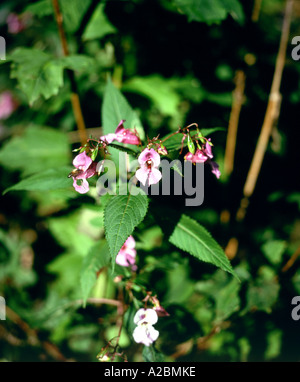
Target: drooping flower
204 154
145 333
7 104
122 135
198 157
127 254
149 161
85 168
125 135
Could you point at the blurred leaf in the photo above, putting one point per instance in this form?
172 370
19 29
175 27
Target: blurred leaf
115 108
180 287
262 294
67 267
51 179
37 73
274 339
211 11
98 26
113 331
193 238
150 354
122 214
224 291
72 232
40 74
158 89
39 149
97 258
273 250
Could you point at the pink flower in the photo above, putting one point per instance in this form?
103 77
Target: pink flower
204 155
127 254
85 168
7 104
144 332
215 168
198 157
122 135
15 23
149 160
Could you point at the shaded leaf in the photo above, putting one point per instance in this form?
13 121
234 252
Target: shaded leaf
193 238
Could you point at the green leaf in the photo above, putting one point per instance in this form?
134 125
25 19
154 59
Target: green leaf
38 149
37 73
98 26
273 250
193 238
51 179
40 74
210 11
122 214
97 258
115 108
150 354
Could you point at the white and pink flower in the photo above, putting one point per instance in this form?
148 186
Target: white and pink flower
127 254
122 135
145 333
148 172
85 168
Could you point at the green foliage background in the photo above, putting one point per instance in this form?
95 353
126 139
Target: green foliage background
158 64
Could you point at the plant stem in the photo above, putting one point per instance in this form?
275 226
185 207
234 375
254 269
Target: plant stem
75 101
238 95
271 116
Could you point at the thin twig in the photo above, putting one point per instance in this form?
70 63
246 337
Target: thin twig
256 10
292 260
32 336
76 106
238 97
271 116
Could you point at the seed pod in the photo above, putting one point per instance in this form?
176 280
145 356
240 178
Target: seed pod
190 144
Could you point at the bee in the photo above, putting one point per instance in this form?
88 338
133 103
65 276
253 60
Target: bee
75 173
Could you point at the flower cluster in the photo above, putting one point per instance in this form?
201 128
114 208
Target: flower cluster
144 332
148 173
203 154
85 168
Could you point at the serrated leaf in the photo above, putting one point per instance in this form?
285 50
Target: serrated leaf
51 179
193 238
97 258
121 215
